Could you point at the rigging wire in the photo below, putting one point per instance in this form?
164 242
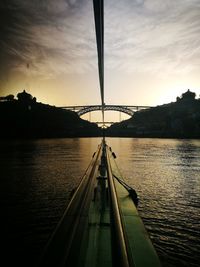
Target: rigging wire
99 26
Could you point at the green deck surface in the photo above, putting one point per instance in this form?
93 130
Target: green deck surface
98 243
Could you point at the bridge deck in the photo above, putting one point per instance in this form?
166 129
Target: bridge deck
127 109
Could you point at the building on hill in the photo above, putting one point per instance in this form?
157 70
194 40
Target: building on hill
7 98
187 96
24 97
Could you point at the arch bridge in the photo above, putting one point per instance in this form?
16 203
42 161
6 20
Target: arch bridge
129 110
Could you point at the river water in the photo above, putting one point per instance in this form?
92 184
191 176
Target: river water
37 176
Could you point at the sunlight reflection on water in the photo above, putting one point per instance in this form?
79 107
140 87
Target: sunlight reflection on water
165 173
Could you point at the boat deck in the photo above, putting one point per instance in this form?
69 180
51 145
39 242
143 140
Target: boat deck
101 226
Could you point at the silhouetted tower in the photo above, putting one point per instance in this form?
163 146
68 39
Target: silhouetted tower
188 96
24 97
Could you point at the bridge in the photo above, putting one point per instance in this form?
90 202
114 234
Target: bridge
129 110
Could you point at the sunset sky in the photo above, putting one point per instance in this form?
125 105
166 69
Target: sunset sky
152 50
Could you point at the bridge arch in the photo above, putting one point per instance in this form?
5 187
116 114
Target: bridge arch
123 109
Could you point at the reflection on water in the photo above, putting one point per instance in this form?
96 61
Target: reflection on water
165 173
36 180
37 177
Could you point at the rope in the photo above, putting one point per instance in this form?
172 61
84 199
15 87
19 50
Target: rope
131 191
99 26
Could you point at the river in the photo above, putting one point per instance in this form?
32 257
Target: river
37 176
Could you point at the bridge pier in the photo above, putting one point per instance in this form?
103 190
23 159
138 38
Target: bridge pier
120 116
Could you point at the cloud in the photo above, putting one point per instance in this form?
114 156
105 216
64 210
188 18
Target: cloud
51 37
46 37
153 35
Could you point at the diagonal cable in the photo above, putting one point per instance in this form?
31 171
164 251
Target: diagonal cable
99 26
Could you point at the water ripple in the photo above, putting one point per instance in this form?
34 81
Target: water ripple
37 177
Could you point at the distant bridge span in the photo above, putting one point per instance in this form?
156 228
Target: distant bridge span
129 110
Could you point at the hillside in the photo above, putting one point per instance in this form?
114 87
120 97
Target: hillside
180 119
25 118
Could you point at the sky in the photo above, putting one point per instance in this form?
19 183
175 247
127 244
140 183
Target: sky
48 48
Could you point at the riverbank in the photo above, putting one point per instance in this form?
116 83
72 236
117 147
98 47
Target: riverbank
27 119
180 119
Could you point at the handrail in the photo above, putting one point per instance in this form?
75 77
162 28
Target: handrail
117 223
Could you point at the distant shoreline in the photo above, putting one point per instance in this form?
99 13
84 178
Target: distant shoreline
25 118
98 136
